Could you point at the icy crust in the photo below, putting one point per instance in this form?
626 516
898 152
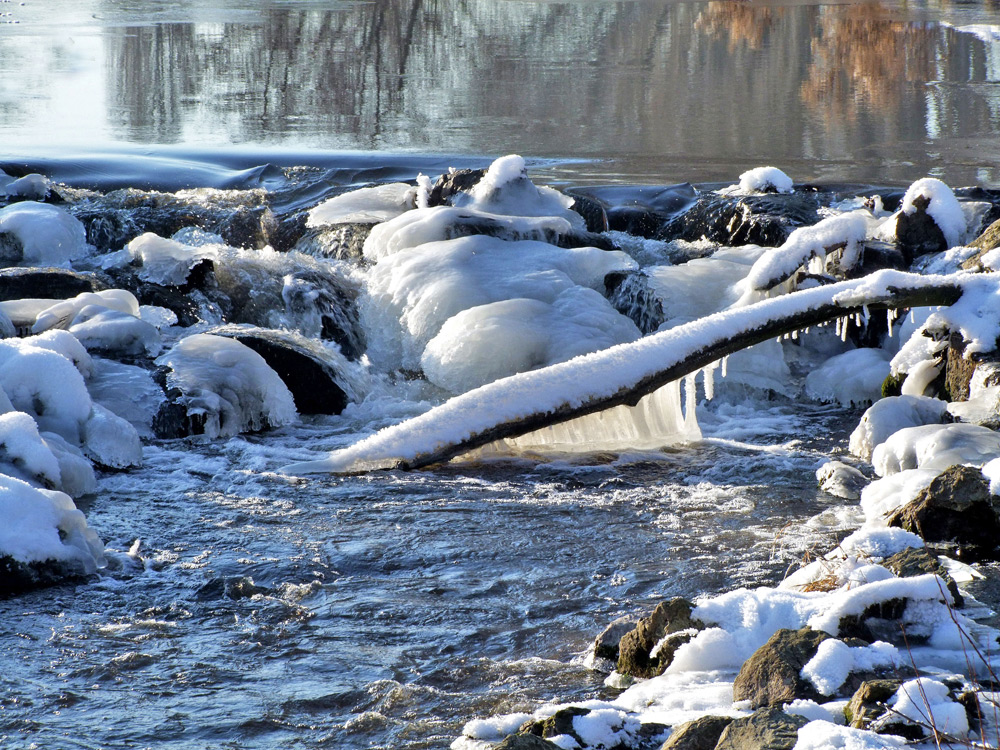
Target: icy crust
46 235
364 206
167 261
852 378
227 385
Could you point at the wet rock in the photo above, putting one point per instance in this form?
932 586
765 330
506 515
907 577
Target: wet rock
669 618
772 675
917 233
606 644
765 220
955 508
17 577
229 587
641 211
701 734
881 621
288 231
914 561
866 704
526 742
173 421
877 255
455 181
984 243
766 729
47 283
593 213
630 294
248 227
333 301
959 369
306 370
339 242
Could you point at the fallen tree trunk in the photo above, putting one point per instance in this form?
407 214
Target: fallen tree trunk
622 375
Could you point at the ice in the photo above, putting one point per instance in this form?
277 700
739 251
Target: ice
944 208
63 314
48 235
110 440
227 384
65 343
890 415
852 378
31 186
926 701
485 343
114 332
167 261
935 446
76 472
128 391
883 496
41 525
411 294
841 480
365 205
23 448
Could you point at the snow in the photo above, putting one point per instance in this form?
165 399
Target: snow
935 446
834 660
47 234
364 206
485 343
23 448
852 378
824 735
110 440
927 701
107 331
844 602
167 261
882 497
227 384
41 525
63 314
944 208
31 186
761 180
890 415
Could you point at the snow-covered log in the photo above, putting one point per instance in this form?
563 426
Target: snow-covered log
625 373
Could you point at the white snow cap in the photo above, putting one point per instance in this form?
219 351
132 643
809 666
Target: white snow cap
49 235
364 205
166 261
944 208
763 179
890 415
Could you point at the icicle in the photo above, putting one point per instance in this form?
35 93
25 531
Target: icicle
843 329
795 335
867 315
913 316
708 377
725 363
889 316
690 397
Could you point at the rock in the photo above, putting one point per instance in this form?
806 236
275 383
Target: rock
305 368
634 650
914 561
988 240
635 210
765 220
630 294
526 742
956 508
881 621
959 369
249 227
917 233
606 644
47 283
592 211
339 242
17 577
456 181
561 722
701 734
766 729
288 231
772 674
864 705
877 255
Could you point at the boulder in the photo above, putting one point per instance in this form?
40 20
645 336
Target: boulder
635 649
561 722
526 742
955 508
772 675
766 729
917 233
914 561
958 370
338 241
988 240
630 294
455 181
701 734
17 577
47 283
765 220
866 704
306 369
606 644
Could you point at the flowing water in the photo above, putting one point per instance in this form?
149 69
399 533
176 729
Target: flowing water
242 608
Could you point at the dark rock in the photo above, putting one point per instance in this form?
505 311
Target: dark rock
914 561
956 507
959 369
630 294
172 420
882 621
772 674
456 181
766 729
639 211
701 734
636 220
877 255
592 211
526 742
606 644
339 242
669 617
917 233
249 227
864 706
988 240
334 301
305 369
231 587
47 283
561 722
17 577
288 230
109 230
765 220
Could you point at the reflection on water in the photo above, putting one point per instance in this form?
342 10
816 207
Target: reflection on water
656 90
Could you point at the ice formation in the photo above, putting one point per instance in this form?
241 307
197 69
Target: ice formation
890 415
365 205
227 385
47 235
854 377
167 261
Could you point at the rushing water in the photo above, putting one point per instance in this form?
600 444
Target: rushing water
246 609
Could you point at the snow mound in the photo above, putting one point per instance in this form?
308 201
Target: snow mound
364 206
47 235
890 415
228 385
935 446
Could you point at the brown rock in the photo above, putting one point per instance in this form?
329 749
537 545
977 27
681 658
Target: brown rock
701 734
914 561
864 706
772 675
766 729
634 648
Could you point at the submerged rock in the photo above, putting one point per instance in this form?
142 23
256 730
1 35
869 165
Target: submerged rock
18 577
772 675
955 508
47 283
636 649
766 729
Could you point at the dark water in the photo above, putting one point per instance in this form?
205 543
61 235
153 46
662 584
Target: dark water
655 92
